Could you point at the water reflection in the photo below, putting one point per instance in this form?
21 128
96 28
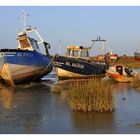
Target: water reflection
32 102
94 122
31 121
64 85
44 108
60 89
6 96
83 122
22 108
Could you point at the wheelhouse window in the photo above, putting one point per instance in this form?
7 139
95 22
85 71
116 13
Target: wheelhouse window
84 53
34 44
68 53
74 53
24 43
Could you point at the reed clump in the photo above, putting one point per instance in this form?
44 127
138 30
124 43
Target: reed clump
94 95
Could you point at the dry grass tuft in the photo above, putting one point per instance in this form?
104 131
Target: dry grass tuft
93 95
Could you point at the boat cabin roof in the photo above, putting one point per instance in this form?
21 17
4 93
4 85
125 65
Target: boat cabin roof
78 52
78 48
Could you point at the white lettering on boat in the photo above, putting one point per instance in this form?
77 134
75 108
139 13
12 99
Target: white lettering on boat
9 53
58 63
77 65
25 54
68 63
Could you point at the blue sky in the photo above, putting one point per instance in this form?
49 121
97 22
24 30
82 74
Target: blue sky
120 26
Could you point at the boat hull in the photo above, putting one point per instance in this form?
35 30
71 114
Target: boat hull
76 68
126 79
64 74
121 78
24 66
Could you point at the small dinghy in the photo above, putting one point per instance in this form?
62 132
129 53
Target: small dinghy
122 74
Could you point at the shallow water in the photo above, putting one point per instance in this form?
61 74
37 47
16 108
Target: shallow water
43 108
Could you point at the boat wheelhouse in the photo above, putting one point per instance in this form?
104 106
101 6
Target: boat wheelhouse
78 52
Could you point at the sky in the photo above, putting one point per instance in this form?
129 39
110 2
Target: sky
74 25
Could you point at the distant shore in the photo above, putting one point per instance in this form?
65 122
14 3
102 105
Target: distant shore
128 61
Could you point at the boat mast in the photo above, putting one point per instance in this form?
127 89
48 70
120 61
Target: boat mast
28 29
59 51
24 18
99 40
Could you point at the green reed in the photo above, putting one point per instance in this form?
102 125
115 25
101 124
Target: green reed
93 95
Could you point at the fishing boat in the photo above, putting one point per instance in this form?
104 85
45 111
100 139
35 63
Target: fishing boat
112 56
26 63
76 64
137 55
122 74
104 49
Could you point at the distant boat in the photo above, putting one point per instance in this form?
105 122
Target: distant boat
26 63
137 55
76 64
122 74
105 50
112 56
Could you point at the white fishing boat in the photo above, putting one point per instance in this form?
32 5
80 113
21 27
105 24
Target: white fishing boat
122 74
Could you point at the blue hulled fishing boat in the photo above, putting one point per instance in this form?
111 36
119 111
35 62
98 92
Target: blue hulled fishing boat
26 63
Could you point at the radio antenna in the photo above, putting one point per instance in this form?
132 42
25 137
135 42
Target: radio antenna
24 18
